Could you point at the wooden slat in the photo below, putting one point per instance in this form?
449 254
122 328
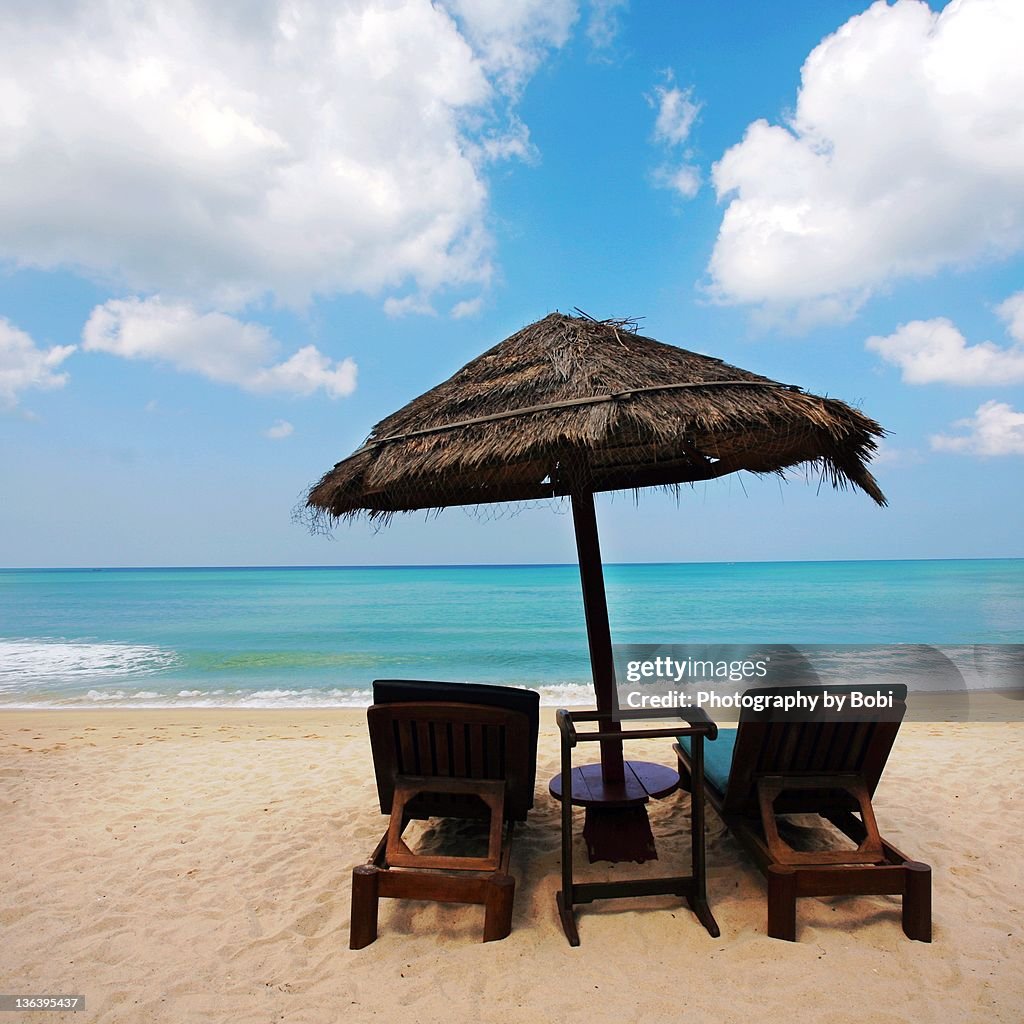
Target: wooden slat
433 886
442 734
788 747
424 750
475 751
873 880
803 759
407 754
460 762
860 735
768 757
492 736
823 749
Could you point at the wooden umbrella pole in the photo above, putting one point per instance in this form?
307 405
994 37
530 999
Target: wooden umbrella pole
599 636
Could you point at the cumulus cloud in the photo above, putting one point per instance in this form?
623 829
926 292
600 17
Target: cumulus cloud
905 154
221 152
995 429
1012 312
279 431
677 112
212 345
24 365
935 352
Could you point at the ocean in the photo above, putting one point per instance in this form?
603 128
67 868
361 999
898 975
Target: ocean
314 637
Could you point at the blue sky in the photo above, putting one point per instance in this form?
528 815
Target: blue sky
234 236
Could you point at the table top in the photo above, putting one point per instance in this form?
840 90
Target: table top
643 780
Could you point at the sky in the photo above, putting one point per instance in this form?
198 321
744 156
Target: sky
235 235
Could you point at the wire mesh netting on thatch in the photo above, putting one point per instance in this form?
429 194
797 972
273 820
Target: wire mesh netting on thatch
574 404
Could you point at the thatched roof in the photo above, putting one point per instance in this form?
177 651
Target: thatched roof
572 403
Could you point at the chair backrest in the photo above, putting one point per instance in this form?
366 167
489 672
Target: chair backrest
821 742
456 730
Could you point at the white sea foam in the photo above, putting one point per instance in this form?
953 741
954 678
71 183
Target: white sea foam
274 698
30 663
565 695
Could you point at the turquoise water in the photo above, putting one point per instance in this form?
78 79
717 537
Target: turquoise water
313 637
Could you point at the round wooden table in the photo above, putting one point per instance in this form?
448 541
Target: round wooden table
642 782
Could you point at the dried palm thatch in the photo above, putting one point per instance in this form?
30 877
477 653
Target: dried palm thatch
571 404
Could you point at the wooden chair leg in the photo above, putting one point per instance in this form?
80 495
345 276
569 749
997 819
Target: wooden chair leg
917 901
698 860
363 923
501 891
782 903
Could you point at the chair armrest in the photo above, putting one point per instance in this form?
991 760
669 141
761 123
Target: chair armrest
700 722
566 727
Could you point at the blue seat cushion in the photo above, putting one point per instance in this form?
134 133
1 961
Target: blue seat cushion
717 757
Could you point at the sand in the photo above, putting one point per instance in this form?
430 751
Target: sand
194 866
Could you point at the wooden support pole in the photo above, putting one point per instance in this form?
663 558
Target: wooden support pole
599 637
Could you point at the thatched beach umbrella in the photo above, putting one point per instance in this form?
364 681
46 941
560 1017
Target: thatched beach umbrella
570 406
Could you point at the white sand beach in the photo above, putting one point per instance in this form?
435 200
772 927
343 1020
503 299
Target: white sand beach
194 865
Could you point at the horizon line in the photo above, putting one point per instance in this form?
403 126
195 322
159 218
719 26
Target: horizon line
493 565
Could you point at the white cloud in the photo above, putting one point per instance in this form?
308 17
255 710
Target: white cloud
935 352
905 154
24 366
511 143
603 22
408 305
1012 311
280 430
677 112
213 345
307 371
513 38
684 179
995 429
220 152
466 308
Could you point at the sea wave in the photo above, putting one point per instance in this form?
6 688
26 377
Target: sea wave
43 662
558 695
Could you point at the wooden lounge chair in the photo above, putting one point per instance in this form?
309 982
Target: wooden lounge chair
456 750
828 764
